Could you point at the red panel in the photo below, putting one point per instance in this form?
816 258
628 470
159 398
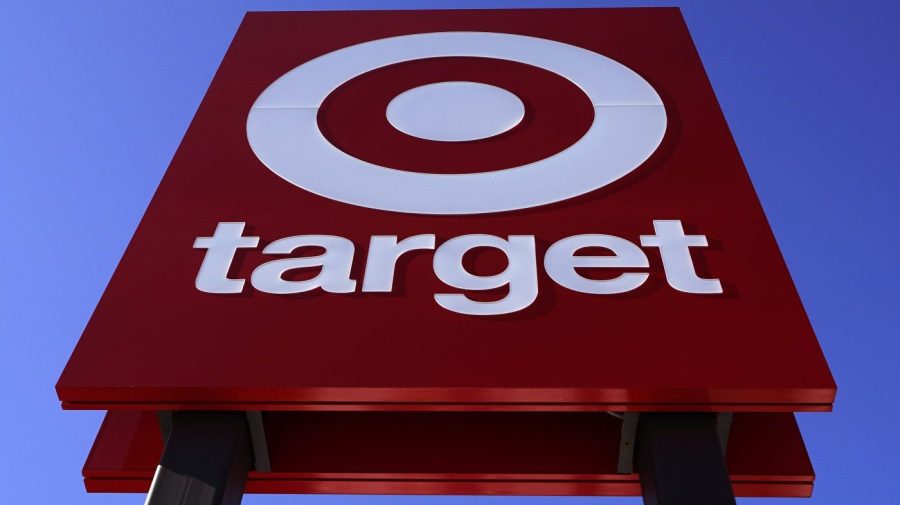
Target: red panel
155 341
452 453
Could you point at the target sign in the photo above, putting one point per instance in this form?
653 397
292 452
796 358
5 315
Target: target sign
459 210
629 121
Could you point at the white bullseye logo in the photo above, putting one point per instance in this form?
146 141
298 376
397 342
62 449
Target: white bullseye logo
629 124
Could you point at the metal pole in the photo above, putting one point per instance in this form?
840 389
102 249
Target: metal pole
680 460
205 461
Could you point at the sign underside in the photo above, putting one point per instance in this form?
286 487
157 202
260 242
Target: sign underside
452 453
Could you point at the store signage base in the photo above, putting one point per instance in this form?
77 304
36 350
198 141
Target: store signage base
466 453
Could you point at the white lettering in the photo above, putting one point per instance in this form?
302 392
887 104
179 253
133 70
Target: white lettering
220 251
335 262
384 251
674 248
561 263
520 274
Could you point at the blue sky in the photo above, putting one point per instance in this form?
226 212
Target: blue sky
96 97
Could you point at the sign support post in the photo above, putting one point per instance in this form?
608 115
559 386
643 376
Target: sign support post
680 460
205 461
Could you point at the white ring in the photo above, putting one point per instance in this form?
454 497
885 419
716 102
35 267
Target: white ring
629 123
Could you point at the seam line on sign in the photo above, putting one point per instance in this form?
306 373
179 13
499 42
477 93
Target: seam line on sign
628 105
311 107
594 106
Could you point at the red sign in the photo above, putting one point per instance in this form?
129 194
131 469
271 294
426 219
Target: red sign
454 210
